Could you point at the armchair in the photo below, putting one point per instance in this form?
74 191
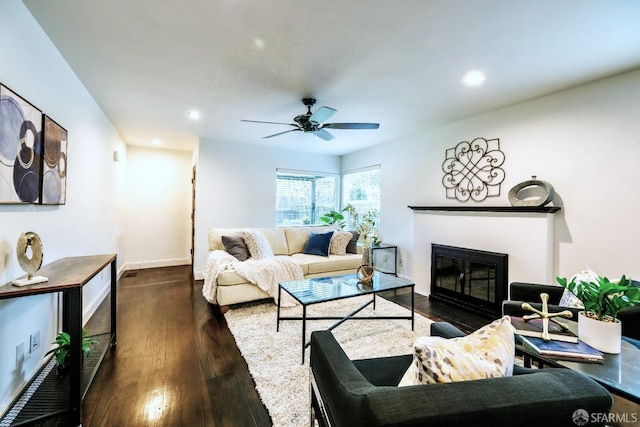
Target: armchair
353 393
530 292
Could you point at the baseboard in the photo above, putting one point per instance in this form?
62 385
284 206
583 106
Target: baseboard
140 265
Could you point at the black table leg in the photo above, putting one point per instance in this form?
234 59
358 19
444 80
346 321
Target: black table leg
412 309
304 330
279 299
72 324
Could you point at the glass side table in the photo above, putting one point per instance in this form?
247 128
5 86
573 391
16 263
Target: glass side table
385 258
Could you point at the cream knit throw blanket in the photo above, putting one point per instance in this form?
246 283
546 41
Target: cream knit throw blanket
265 273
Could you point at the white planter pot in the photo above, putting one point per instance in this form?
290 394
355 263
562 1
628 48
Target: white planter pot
603 336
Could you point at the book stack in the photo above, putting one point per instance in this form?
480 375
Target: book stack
533 328
577 352
563 345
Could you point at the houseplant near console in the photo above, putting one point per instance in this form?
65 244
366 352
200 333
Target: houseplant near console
61 351
598 324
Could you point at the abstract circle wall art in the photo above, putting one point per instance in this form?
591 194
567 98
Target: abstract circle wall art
20 149
54 165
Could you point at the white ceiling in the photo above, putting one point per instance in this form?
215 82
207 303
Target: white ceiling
396 62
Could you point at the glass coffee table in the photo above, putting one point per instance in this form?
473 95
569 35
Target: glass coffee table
323 289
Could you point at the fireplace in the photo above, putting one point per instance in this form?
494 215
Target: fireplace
470 279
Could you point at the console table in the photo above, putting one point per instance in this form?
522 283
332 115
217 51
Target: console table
48 397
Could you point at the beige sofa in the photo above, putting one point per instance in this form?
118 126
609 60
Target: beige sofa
284 241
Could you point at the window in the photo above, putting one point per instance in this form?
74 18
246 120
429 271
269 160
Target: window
303 197
361 189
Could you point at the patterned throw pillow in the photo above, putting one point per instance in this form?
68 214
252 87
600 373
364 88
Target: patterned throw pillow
488 352
568 299
339 242
257 243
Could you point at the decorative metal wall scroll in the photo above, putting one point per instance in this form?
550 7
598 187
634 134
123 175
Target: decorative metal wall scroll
532 192
33 153
472 170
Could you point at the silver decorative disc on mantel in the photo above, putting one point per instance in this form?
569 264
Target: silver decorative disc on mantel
533 192
29 252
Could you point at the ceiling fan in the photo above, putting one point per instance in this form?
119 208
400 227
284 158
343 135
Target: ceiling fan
313 122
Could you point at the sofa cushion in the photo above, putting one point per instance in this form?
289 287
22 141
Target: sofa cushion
339 242
230 278
313 264
297 237
236 247
215 237
257 243
318 243
488 352
277 240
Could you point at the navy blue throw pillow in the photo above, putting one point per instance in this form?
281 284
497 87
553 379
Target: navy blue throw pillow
318 244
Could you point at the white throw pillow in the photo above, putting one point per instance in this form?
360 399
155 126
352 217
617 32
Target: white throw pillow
568 299
488 352
257 243
339 242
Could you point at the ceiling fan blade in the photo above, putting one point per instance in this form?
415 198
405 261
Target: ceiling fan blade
280 133
323 134
351 125
322 114
272 123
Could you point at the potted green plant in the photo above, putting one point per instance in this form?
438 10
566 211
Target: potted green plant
61 351
333 218
598 324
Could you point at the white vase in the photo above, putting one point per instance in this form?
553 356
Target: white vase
603 336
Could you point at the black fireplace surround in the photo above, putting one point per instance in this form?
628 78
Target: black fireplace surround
470 279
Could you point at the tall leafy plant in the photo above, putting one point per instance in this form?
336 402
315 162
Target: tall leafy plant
603 298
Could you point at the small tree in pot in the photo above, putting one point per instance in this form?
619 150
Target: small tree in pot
602 300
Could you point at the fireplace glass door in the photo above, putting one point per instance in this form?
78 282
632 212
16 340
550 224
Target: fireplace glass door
472 279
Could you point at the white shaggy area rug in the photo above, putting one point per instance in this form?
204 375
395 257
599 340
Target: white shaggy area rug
274 358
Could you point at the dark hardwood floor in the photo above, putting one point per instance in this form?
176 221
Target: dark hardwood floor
176 363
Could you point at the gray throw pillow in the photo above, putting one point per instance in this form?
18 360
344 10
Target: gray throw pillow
236 247
352 247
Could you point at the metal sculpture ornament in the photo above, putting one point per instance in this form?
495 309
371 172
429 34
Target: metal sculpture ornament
472 170
29 253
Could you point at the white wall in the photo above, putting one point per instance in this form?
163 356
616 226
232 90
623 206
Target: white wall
585 141
158 210
236 186
88 223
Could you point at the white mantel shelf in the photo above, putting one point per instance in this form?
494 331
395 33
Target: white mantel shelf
513 209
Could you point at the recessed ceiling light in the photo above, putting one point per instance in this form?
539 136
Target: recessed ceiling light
474 78
194 115
156 142
258 43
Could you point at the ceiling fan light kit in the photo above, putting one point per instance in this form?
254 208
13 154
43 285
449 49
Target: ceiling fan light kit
313 122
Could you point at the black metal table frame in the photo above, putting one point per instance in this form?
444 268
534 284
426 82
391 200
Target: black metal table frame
342 319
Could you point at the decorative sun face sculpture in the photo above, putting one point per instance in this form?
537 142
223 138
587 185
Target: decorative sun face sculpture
29 252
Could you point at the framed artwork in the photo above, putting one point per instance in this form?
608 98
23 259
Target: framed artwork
20 149
54 163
